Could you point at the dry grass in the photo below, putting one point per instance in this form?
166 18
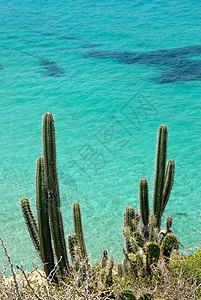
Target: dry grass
180 280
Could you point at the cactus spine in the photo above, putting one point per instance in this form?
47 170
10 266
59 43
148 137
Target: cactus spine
49 150
43 218
78 230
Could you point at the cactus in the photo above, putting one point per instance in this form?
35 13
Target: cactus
131 245
139 239
168 243
152 250
129 217
31 223
169 221
78 230
153 233
72 243
43 218
169 179
163 182
108 278
160 172
49 150
39 230
104 259
164 177
144 202
120 270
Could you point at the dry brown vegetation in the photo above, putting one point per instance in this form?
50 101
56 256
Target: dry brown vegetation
181 279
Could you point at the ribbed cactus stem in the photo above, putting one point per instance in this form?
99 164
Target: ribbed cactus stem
169 221
78 229
30 223
120 270
49 149
144 201
109 279
152 228
104 259
72 243
169 242
160 173
129 217
169 179
43 218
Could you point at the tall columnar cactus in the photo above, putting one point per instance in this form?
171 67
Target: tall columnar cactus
160 172
43 218
164 177
144 201
49 150
109 278
78 230
169 179
39 230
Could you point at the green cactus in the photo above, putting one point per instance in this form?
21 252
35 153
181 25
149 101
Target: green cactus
144 201
49 150
169 221
109 278
153 233
169 179
78 230
43 218
139 239
104 259
160 173
120 270
129 217
72 243
152 250
168 243
131 245
31 223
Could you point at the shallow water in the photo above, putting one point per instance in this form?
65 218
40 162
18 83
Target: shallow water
100 70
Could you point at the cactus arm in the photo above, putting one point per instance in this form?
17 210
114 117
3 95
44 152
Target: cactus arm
49 148
30 223
43 218
129 217
169 179
72 243
78 229
144 201
160 172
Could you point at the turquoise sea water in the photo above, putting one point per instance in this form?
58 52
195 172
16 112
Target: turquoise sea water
99 68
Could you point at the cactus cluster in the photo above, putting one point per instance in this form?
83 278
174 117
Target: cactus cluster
49 224
163 182
146 242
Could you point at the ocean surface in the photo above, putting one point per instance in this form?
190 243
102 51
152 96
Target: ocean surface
110 72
